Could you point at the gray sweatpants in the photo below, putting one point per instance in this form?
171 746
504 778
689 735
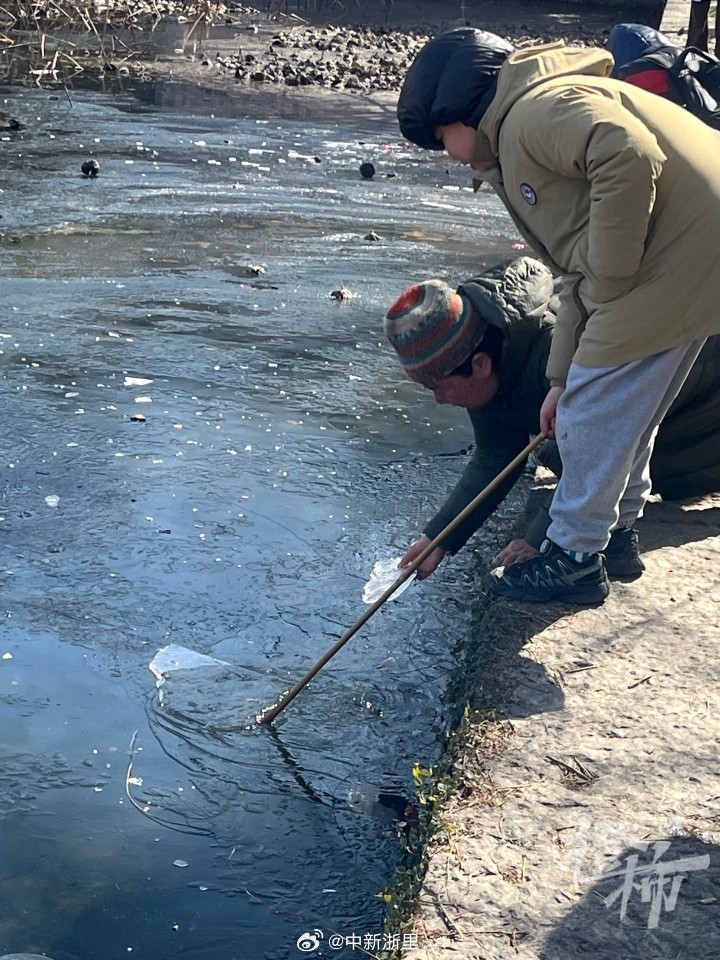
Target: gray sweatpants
607 420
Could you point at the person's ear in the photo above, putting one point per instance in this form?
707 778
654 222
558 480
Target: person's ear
482 365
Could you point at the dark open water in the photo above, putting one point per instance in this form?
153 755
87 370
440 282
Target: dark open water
281 455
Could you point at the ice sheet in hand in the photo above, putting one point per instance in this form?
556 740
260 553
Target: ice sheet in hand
384 574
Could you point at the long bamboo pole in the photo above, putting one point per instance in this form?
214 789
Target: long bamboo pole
268 715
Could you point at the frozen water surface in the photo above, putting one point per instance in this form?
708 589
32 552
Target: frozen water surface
203 447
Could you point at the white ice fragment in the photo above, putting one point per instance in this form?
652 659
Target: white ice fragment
7 656
384 574
180 863
136 382
143 399
52 500
176 657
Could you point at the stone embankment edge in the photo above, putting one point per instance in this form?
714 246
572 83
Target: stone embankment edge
476 732
603 736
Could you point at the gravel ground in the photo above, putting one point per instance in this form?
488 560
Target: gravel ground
369 52
362 49
361 46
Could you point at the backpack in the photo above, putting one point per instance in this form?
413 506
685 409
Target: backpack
690 77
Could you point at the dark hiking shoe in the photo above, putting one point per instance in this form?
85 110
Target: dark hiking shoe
552 575
622 555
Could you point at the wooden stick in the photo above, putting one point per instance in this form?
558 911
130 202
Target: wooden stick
268 715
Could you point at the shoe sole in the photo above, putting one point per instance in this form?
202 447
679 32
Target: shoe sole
624 577
587 599
623 573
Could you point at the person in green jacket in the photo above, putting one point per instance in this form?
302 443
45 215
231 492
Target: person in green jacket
617 190
492 362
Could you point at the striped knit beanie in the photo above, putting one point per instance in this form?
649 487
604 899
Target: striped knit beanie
433 330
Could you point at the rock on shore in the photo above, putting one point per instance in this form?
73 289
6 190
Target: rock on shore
337 47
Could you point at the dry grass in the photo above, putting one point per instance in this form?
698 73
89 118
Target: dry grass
51 42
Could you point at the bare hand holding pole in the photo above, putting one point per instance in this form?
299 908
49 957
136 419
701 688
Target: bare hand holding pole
269 715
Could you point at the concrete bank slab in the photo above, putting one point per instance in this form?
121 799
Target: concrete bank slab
596 831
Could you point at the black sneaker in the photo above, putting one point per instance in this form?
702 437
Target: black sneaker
552 575
622 555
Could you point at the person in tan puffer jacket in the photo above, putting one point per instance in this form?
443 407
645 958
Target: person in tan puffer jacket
617 190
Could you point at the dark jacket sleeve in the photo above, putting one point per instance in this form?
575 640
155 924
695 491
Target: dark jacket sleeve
496 444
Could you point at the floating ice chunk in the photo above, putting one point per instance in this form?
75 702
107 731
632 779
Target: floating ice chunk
24 956
53 500
136 382
384 574
176 657
363 797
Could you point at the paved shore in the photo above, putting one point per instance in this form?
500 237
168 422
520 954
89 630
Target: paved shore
587 817
675 20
